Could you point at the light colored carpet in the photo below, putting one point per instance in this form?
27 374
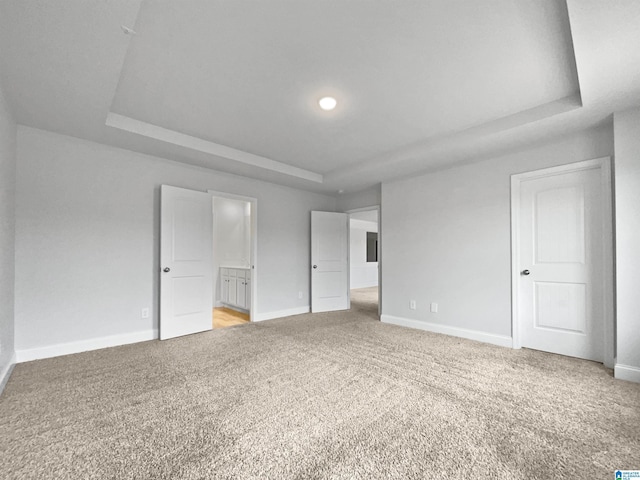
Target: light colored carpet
365 301
336 396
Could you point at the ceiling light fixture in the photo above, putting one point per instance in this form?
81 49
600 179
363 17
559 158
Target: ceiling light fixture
327 103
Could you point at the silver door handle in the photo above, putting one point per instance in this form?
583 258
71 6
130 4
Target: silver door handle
525 272
315 266
166 270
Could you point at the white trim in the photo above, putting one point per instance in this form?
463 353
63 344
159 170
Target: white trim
6 372
254 246
149 130
233 307
604 164
626 372
281 313
363 209
84 345
500 340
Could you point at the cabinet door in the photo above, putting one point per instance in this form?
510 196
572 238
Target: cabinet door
233 290
225 289
248 293
241 293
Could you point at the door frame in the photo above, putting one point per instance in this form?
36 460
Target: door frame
368 209
254 246
606 186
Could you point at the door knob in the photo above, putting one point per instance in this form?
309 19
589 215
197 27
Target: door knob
525 272
166 270
315 266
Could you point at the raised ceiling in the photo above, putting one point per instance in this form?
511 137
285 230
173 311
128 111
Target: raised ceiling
234 85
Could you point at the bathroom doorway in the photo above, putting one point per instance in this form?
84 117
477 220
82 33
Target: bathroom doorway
234 259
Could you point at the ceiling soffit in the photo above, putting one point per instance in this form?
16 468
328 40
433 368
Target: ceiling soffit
407 79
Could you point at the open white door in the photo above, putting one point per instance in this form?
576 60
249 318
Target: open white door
329 261
186 250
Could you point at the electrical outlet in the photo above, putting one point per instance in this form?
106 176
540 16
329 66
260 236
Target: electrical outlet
299 294
412 304
434 308
144 313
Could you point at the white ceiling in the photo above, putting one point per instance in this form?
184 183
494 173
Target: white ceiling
234 86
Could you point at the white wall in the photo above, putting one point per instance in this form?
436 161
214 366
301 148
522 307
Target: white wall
87 240
231 237
362 273
627 205
7 237
446 239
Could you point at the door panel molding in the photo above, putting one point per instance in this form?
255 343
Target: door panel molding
186 249
603 164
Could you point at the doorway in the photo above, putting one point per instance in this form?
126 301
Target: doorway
562 260
191 279
234 228
364 259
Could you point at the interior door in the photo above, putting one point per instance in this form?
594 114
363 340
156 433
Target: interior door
329 261
561 265
186 263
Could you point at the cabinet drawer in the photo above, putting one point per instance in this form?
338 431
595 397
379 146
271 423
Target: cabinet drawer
224 271
242 273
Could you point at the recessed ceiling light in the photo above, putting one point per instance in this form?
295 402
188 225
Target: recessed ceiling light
327 103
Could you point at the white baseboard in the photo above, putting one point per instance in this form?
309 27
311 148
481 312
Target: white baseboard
84 345
280 313
234 307
626 372
500 340
363 285
6 372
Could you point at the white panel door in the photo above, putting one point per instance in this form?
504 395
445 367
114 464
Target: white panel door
561 307
186 263
329 261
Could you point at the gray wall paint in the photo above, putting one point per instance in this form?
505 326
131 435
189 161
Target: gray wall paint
364 198
87 237
627 203
7 234
361 273
446 236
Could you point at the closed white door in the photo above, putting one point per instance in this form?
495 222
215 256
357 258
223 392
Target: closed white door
329 261
561 303
186 250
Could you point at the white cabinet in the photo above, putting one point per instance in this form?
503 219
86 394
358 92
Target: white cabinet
236 287
224 287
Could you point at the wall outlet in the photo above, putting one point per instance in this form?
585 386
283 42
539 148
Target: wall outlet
144 313
434 308
412 304
299 294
